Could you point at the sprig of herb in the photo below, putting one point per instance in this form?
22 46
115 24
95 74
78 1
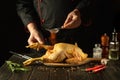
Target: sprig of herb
15 66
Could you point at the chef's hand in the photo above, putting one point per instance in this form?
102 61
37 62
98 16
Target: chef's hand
35 35
73 20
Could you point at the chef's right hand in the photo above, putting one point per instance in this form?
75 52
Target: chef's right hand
35 35
73 20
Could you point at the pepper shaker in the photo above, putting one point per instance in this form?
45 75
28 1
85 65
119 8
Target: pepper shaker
105 45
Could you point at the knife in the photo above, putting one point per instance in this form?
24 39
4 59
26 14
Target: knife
23 56
26 57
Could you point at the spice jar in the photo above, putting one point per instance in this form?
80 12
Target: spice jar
97 51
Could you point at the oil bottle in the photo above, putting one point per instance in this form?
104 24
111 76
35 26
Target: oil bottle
114 46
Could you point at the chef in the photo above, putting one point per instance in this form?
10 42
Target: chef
40 15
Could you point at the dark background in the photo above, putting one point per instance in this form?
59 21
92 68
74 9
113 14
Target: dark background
106 15
12 34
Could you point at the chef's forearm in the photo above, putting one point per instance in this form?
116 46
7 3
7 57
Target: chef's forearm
32 27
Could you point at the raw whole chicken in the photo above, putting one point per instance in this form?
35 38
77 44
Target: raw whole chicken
60 52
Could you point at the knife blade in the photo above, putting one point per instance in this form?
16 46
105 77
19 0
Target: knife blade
26 57
23 56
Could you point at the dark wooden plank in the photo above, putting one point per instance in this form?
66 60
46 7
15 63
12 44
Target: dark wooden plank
58 73
112 71
96 76
20 76
5 74
40 73
77 74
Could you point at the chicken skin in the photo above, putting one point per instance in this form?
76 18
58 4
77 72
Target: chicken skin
61 52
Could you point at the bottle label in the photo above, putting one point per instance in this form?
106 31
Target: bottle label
97 55
113 54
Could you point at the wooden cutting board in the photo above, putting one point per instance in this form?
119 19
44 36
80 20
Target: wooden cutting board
69 65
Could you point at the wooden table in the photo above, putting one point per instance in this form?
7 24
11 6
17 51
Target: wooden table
42 72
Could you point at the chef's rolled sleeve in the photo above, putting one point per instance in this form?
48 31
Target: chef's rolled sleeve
26 11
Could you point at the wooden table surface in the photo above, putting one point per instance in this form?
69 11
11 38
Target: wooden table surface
42 72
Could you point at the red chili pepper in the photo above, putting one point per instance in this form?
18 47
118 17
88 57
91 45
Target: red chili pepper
99 69
93 68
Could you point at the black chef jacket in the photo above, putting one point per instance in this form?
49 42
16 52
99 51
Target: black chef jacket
52 13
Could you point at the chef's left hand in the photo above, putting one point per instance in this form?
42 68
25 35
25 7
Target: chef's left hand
73 20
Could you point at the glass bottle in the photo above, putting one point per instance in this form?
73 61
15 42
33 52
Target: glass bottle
97 51
114 47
